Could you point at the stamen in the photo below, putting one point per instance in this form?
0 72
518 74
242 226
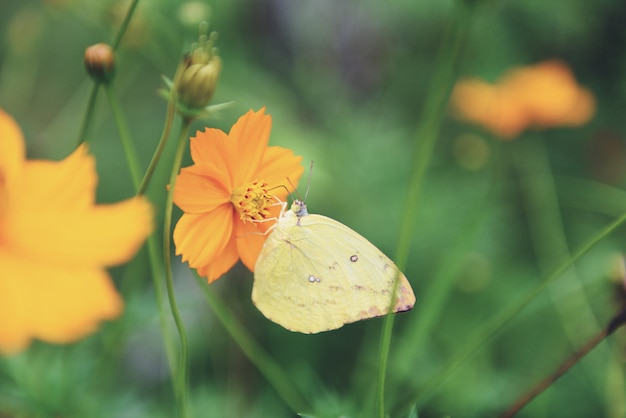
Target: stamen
252 201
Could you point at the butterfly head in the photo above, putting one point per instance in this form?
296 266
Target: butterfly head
299 208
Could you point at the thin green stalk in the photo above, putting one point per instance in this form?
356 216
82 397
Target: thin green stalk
509 313
156 266
84 128
122 30
435 296
169 117
550 243
129 148
153 250
426 137
91 103
133 163
181 376
428 130
255 353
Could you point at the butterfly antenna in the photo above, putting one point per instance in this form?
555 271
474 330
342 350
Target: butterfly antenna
281 186
294 190
308 182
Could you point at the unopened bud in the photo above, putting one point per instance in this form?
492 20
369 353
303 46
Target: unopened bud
200 72
100 62
198 81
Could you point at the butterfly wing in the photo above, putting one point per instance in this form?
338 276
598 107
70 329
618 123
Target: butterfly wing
315 274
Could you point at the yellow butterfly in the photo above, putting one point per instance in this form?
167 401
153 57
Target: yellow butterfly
315 274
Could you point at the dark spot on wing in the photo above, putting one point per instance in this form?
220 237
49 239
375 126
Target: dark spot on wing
313 279
288 241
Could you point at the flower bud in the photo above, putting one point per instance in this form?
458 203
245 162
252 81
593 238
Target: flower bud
199 73
198 83
100 62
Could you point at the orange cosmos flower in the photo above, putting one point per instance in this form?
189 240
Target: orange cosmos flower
54 244
490 106
549 94
228 195
541 96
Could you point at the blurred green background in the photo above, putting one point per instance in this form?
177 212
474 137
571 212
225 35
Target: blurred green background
346 82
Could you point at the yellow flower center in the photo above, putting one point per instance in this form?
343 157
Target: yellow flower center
252 201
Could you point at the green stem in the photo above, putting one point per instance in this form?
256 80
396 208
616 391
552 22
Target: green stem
153 249
156 265
91 103
82 134
133 163
490 330
169 117
122 30
426 136
259 357
181 376
435 295
153 252
550 243
129 149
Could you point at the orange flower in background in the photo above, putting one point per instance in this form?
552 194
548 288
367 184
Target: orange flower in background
55 243
485 104
550 94
228 195
540 96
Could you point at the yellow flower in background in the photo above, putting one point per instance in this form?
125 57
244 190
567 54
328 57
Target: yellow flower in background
540 96
229 194
55 243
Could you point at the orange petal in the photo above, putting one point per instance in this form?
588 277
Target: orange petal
473 99
198 190
251 134
213 148
252 236
52 303
278 165
492 107
508 117
201 237
583 109
222 263
102 235
12 151
70 183
548 92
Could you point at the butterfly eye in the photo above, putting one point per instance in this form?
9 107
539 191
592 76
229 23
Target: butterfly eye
354 258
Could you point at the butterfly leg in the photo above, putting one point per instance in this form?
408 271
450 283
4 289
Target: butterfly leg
282 212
